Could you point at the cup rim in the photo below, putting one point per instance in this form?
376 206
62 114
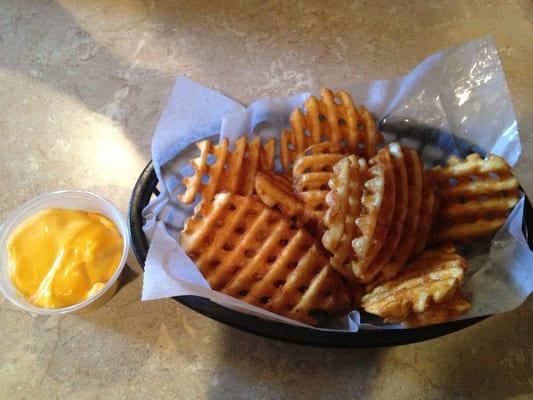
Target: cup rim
9 225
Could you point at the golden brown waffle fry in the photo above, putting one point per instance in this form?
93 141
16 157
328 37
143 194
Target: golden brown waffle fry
377 208
253 253
398 217
311 173
276 190
268 152
332 118
406 244
431 278
230 171
439 313
428 213
476 197
306 294
344 206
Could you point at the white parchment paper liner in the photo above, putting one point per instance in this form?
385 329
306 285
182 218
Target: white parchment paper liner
460 90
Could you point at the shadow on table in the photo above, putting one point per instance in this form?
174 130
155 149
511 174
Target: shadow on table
131 271
487 360
254 367
491 359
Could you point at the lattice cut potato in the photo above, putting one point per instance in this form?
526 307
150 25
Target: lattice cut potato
254 253
276 190
439 313
311 173
429 209
399 214
432 278
218 169
344 206
333 118
407 241
377 208
477 195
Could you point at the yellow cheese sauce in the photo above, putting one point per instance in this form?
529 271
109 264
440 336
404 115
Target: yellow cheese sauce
58 257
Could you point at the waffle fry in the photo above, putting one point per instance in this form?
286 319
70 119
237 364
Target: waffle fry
406 245
311 173
439 313
377 208
254 234
398 217
476 197
344 205
429 208
275 190
231 171
430 279
251 252
332 118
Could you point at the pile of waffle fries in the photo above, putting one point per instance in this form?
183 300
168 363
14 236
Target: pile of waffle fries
347 223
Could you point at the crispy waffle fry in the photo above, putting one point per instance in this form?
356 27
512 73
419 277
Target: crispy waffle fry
406 244
304 296
428 213
276 190
231 171
476 197
312 172
432 278
332 118
398 217
268 152
377 208
251 252
344 206
439 313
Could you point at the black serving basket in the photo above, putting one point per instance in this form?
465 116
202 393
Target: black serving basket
146 188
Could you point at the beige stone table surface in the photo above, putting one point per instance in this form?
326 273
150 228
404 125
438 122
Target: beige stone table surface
82 85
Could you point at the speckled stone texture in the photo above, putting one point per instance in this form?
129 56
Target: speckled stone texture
83 85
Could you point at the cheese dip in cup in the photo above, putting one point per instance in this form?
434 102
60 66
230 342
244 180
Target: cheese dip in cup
62 252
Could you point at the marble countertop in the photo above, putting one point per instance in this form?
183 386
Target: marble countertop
83 85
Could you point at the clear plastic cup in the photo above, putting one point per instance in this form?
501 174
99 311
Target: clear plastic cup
68 199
